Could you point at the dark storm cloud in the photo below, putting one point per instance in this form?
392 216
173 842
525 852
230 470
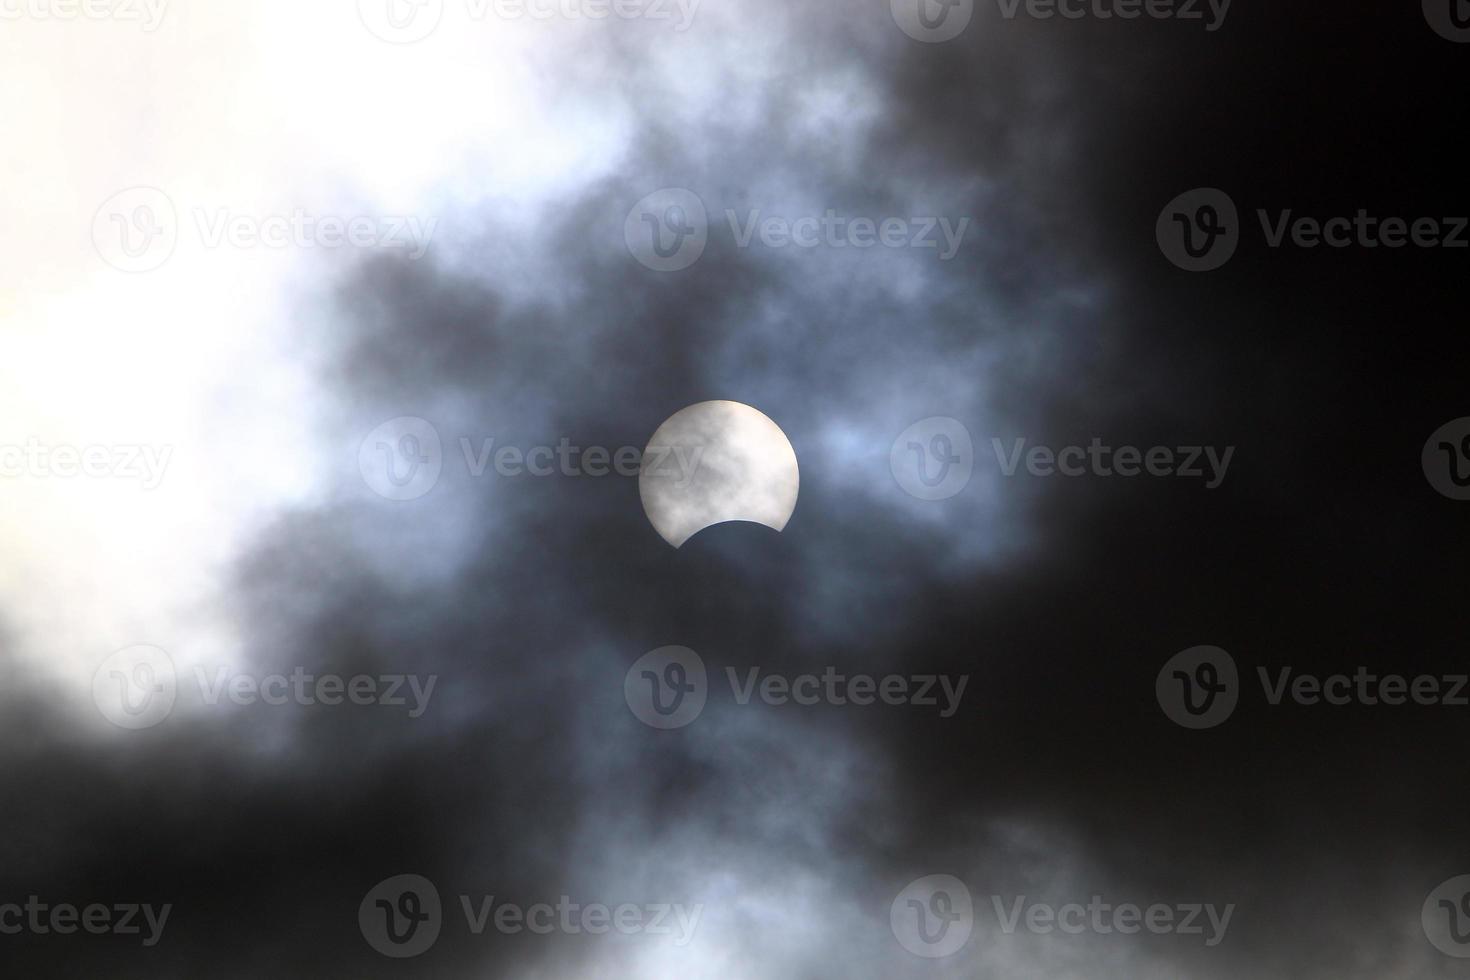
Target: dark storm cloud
529 598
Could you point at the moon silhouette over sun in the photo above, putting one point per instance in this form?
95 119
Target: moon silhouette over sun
714 462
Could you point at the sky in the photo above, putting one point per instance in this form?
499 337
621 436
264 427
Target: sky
335 639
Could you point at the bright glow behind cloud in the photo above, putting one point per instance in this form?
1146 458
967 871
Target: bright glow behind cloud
252 110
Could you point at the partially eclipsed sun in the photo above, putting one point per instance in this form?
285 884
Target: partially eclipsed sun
713 462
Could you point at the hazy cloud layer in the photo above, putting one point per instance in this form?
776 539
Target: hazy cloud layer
795 827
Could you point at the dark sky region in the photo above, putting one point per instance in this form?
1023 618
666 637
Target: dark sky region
796 827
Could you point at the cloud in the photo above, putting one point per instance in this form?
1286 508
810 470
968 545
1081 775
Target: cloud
528 598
